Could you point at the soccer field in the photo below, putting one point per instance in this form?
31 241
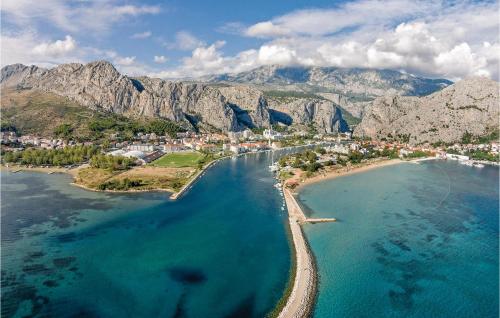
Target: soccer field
178 160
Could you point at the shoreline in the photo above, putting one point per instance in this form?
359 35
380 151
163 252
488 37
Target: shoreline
187 186
348 171
300 302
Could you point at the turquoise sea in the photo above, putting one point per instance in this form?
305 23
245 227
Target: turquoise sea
412 240
219 251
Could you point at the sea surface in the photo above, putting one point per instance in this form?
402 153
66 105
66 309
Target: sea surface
412 240
221 250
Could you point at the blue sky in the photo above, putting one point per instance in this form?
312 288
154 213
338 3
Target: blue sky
175 39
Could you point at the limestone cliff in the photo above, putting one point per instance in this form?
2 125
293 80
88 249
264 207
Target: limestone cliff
470 105
99 86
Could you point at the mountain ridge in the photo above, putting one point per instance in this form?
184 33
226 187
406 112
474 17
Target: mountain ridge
99 86
352 88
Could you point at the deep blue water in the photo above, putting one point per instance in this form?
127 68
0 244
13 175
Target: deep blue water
219 251
411 241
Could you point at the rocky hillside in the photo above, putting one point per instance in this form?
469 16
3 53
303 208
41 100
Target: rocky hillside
99 86
471 105
351 88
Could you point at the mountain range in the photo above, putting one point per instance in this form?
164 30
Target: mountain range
351 88
387 103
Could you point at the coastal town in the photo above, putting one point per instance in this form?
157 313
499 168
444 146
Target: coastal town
150 161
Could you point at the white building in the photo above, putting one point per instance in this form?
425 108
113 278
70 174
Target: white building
271 134
141 147
236 149
456 157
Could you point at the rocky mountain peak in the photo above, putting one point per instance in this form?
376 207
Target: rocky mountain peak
98 85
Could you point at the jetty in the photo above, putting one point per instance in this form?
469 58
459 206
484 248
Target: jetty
301 299
295 210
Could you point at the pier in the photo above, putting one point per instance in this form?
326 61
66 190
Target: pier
296 211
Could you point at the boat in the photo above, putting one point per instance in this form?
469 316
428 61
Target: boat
277 185
478 165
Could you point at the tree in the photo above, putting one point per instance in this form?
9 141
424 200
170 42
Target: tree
63 131
467 137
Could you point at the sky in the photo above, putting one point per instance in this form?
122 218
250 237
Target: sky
187 38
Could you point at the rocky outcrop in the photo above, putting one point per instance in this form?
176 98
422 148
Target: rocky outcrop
323 114
249 104
471 105
99 86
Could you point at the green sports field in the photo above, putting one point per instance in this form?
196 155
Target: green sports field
179 160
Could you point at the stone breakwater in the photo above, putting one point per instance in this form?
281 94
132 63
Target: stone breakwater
301 300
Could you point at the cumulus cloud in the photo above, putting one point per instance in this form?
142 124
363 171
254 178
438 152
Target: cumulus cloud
141 35
159 59
429 38
31 48
57 48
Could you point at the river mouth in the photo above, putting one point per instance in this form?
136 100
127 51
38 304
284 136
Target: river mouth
219 250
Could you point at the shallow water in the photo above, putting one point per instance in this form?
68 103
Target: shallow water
410 241
219 251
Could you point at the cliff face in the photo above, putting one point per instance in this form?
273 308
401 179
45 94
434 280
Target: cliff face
99 86
471 105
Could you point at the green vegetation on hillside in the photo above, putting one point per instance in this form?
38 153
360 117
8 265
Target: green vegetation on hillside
49 115
124 127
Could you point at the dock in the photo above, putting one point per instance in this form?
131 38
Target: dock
320 220
294 210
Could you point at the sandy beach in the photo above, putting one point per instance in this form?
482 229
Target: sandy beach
366 166
305 283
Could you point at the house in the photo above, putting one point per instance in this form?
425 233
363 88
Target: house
171 147
206 147
235 148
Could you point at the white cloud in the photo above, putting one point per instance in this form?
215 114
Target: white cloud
141 35
266 29
159 59
57 48
31 48
185 41
349 15
276 54
74 16
429 38
126 61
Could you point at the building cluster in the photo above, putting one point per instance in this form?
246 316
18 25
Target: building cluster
149 147
11 138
